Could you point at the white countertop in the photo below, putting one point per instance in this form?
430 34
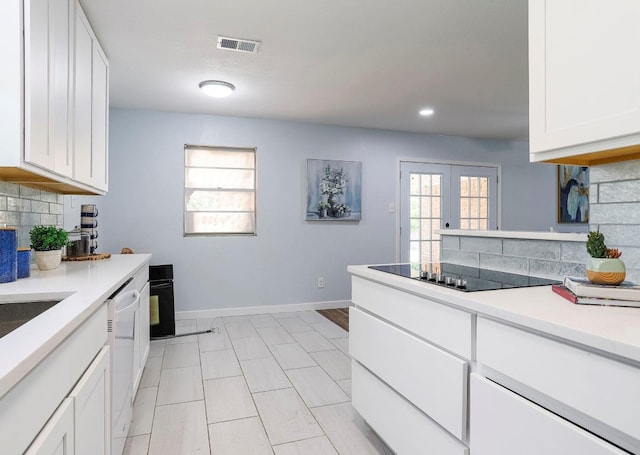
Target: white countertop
613 330
84 286
524 235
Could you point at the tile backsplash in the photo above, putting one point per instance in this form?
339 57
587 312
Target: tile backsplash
614 200
26 207
545 258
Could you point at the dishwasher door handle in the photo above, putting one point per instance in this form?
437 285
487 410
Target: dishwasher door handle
134 295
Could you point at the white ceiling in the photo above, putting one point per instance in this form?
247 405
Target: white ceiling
366 63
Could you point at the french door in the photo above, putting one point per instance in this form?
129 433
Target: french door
443 196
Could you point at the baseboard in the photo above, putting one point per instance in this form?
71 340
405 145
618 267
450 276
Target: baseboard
242 311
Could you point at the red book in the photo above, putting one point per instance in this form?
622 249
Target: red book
571 297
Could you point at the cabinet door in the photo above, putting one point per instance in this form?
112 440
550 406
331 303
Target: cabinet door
402 426
91 105
92 407
583 81
431 379
48 30
57 436
503 423
99 118
142 335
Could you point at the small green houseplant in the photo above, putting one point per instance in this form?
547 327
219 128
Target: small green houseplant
322 209
604 265
47 242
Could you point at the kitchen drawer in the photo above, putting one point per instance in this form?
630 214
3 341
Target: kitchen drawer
431 379
503 423
435 322
25 409
141 277
403 427
600 387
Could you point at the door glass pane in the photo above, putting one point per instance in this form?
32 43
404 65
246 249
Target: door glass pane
424 216
474 208
415 229
414 204
464 186
414 184
475 191
436 210
436 183
484 213
426 205
426 185
426 233
464 207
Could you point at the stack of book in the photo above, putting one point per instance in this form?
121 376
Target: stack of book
582 291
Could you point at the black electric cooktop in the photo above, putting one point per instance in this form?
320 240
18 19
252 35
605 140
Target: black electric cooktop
463 278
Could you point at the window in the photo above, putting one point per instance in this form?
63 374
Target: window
219 190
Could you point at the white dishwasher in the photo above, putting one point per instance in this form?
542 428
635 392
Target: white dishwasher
123 306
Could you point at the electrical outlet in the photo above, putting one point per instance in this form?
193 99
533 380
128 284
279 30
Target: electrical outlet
320 282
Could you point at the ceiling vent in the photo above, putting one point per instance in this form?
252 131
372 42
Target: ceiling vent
240 45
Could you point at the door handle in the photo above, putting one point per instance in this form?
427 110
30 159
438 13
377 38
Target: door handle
446 225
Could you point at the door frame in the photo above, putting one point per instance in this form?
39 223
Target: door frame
398 208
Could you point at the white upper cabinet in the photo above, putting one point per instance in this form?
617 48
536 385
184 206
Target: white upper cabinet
584 81
91 106
39 100
47 70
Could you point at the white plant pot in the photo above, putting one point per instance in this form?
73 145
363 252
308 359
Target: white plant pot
48 260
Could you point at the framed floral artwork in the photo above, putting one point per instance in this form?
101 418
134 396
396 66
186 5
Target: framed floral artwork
573 194
333 190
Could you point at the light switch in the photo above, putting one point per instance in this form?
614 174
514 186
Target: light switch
392 207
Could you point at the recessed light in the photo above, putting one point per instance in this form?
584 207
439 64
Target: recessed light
427 111
217 89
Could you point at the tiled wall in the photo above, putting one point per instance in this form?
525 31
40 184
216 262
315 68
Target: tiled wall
545 258
614 199
25 207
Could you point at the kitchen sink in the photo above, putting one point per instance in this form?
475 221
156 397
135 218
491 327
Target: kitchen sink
13 315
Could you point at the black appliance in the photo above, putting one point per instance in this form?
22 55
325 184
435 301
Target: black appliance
463 278
162 312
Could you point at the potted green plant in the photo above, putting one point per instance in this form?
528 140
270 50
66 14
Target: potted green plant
322 209
47 242
604 265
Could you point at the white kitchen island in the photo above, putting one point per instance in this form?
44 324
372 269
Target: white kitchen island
58 360
492 372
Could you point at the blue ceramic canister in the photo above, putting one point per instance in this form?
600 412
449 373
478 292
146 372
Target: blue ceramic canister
8 255
24 262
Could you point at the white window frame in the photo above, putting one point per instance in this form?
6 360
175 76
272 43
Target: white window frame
187 191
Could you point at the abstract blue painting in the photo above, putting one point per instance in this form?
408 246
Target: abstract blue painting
573 194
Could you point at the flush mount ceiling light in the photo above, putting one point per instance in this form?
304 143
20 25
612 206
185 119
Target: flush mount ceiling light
217 89
426 112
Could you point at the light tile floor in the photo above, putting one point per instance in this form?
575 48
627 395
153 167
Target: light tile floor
277 384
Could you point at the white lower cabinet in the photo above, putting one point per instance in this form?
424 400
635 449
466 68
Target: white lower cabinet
81 423
57 436
142 338
503 423
29 406
401 425
92 407
604 391
433 380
